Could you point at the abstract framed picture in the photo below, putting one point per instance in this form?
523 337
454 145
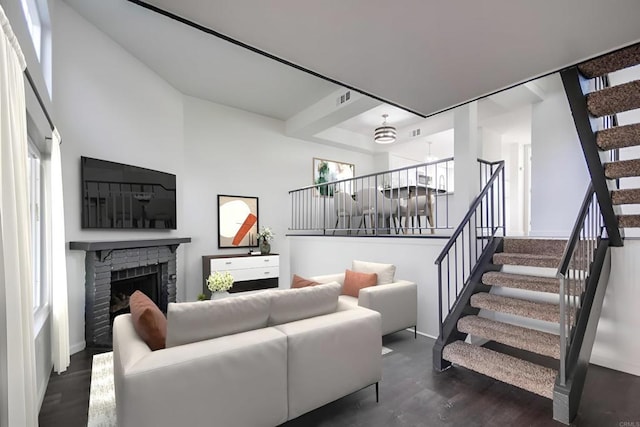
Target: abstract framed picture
237 221
328 171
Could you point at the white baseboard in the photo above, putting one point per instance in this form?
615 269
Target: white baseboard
422 333
42 390
617 365
77 347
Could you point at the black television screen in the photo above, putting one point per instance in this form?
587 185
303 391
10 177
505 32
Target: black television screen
126 197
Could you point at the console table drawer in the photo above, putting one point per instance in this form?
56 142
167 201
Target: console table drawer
230 264
255 273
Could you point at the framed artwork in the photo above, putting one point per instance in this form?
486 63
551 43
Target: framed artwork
328 171
237 221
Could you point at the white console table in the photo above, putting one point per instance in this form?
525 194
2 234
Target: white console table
250 272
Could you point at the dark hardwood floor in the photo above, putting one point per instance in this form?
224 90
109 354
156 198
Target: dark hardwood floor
411 394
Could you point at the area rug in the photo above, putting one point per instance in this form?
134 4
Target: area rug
102 401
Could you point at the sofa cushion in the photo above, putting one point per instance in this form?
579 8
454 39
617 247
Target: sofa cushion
148 320
301 282
288 305
354 281
189 322
385 272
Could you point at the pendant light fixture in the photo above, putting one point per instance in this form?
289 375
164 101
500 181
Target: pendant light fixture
384 134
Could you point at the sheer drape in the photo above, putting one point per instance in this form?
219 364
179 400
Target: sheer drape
17 354
60 312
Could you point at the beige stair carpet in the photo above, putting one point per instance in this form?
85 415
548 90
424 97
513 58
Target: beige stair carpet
515 336
628 196
622 169
615 99
529 260
521 281
626 221
511 370
618 137
534 246
516 306
611 62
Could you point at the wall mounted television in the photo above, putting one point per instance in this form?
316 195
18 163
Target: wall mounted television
121 196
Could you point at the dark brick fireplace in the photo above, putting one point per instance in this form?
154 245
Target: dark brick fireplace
115 269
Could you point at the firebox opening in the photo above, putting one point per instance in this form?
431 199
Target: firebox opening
121 291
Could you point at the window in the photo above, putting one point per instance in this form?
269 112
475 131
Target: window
31 14
34 171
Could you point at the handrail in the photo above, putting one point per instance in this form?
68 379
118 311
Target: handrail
574 272
486 212
374 174
469 214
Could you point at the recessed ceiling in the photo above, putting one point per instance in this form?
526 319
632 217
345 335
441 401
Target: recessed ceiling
426 56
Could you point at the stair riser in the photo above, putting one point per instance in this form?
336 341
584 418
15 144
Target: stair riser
619 137
505 259
622 169
534 246
626 197
613 100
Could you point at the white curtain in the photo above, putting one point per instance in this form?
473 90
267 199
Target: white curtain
60 321
17 354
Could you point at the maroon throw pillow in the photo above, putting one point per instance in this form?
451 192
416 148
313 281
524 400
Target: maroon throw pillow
354 281
301 282
149 322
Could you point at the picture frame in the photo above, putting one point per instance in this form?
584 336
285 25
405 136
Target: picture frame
325 170
237 221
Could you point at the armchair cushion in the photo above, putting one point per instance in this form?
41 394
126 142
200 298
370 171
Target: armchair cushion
354 281
385 272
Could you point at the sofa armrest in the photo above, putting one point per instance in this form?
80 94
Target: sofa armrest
213 376
397 303
326 278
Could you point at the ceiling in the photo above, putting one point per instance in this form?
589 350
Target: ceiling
424 56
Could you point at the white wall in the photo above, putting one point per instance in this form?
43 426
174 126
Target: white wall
413 258
230 151
111 106
559 175
108 106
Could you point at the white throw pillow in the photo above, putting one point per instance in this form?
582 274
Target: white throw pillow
385 272
289 305
189 322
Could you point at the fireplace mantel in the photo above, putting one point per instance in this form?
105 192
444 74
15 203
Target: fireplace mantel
100 245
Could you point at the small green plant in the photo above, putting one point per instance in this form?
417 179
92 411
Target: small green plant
202 297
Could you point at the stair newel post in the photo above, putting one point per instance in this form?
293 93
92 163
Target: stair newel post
440 297
504 207
563 332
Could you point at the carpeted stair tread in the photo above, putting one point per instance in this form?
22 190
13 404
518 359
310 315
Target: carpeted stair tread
515 336
628 196
622 169
529 260
534 246
516 306
511 370
614 99
618 137
521 281
611 62
628 221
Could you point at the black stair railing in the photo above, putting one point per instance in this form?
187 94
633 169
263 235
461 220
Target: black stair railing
573 84
581 296
458 260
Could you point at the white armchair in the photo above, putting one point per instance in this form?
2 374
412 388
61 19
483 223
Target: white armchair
397 302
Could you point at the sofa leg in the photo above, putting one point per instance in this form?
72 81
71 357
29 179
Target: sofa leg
377 394
415 332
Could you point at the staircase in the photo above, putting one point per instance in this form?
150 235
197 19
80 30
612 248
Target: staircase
540 259
520 284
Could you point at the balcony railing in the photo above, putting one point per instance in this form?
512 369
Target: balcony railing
410 201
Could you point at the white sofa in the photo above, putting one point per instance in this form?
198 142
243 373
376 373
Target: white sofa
252 360
395 300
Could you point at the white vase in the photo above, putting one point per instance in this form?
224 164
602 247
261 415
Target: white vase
219 295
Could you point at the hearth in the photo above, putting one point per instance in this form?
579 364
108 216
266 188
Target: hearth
114 270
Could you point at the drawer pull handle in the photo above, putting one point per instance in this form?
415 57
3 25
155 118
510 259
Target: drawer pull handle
266 272
228 262
266 260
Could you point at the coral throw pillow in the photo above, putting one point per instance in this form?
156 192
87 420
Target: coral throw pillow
148 321
301 282
354 281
